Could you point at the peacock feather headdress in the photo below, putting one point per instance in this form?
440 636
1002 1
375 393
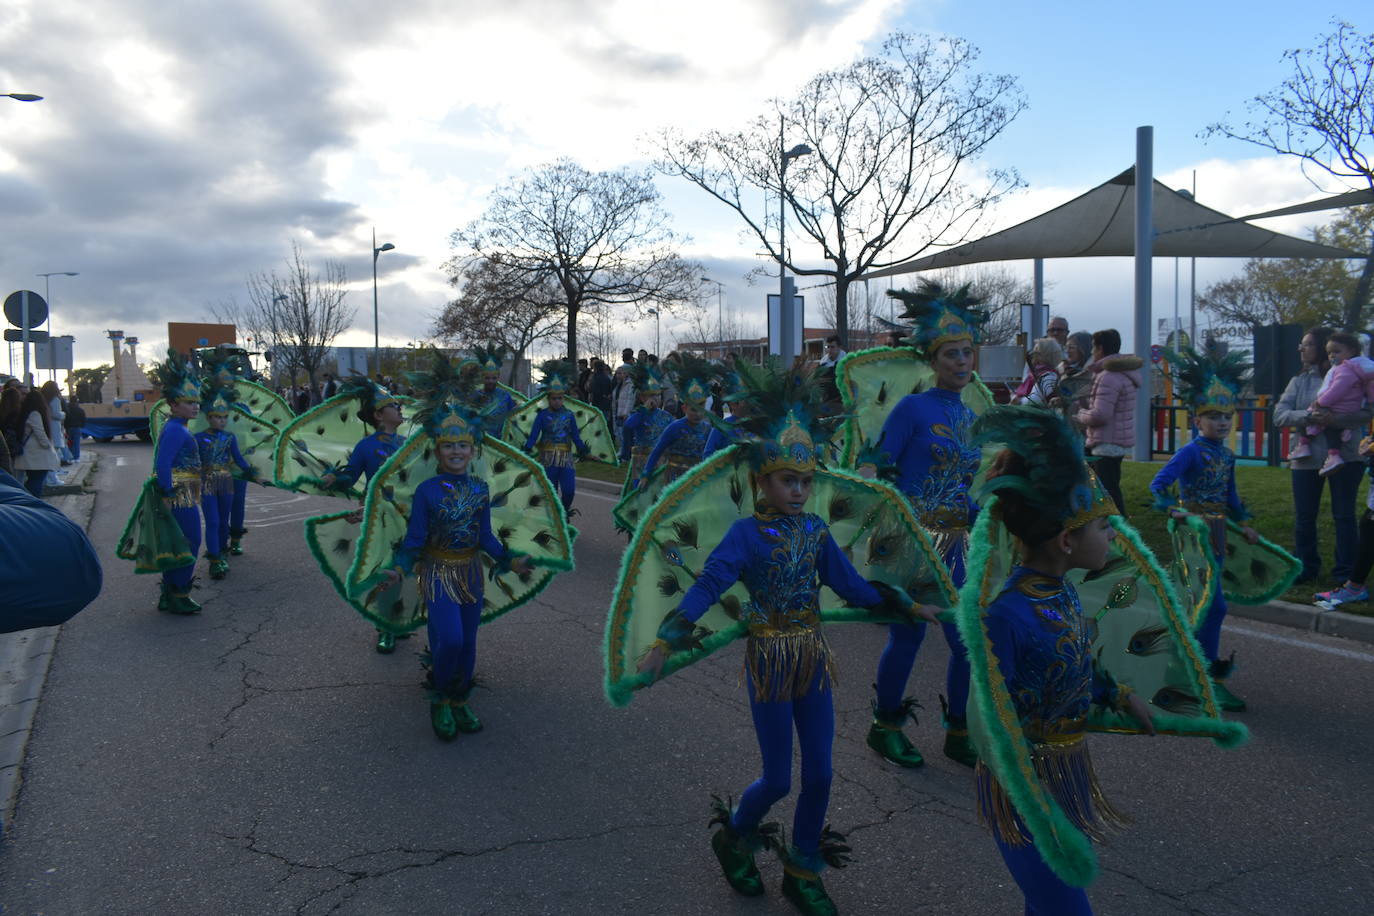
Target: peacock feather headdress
371 396
446 390
692 376
783 418
490 358
223 364
646 377
217 399
559 375
176 377
1056 476
938 316
1209 382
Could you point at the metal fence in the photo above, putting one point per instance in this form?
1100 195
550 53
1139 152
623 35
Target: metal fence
1253 437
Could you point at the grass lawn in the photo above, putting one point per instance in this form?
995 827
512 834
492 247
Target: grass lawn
597 470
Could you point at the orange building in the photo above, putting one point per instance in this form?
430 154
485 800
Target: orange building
184 336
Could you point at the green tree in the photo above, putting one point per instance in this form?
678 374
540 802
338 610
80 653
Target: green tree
88 382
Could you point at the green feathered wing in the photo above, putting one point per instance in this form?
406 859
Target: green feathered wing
871 382
156 417
152 539
870 522
319 441
1194 569
1255 573
257 441
333 539
526 515
634 503
1141 638
591 426
263 403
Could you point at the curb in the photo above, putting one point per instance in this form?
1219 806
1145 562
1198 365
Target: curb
1310 618
77 476
599 486
24 660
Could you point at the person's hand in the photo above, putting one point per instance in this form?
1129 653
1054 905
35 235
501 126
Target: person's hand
520 566
355 516
1320 416
868 471
927 612
393 577
1367 446
1250 534
1138 709
652 662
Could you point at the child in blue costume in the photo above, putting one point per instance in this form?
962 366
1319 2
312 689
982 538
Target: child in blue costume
926 438
227 364
647 421
449 528
219 454
683 442
784 555
492 402
1205 471
1042 642
176 465
378 409
554 435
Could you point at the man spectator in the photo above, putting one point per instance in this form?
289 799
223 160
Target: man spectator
825 375
1059 330
833 353
73 423
599 388
331 387
581 388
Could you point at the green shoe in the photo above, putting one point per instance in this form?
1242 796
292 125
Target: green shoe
386 642
235 548
466 719
735 863
441 720
808 895
164 598
219 567
892 744
182 603
1226 699
959 748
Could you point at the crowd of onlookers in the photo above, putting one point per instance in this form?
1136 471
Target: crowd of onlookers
40 432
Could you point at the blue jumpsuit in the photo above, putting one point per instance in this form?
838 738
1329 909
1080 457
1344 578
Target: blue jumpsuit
1205 470
1043 646
552 440
718 440
926 436
495 422
367 457
177 468
450 524
783 561
641 431
219 451
680 446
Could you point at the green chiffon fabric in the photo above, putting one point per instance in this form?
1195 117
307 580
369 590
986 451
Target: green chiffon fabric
152 539
869 521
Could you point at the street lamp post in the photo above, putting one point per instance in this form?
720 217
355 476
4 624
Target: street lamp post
785 330
720 321
657 341
47 296
22 96
376 328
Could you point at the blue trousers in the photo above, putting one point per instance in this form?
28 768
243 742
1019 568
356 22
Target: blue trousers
564 480
813 715
453 639
1208 630
1045 892
189 520
76 444
904 640
216 507
235 516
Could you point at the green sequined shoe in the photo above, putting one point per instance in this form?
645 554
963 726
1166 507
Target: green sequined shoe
219 566
466 720
887 738
182 603
736 862
235 547
442 721
386 642
958 747
808 895
164 598
1220 670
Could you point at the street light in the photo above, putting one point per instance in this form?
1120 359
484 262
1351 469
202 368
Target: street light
376 328
784 300
47 293
22 96
657 342
720 323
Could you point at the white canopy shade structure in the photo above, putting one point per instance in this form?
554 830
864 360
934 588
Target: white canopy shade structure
1101 223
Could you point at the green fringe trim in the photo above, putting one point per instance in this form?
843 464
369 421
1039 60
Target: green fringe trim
1279 587
521 420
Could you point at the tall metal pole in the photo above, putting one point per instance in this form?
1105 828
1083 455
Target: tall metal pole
1144 256
1192 286
1039 320
376 327
784 336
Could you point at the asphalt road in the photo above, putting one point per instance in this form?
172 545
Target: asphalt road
260 758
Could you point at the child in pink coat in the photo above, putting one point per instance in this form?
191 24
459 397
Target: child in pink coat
1348 384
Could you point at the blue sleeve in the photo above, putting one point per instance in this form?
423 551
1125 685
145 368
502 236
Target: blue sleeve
168 444
632 423
48 568
668 437
238 456
837 572
1179 467
722 570
714 443
898 429
536 430
1237 511
1003 643
356 464
417 530
485 536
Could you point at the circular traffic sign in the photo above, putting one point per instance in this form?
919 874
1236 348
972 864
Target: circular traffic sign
14 308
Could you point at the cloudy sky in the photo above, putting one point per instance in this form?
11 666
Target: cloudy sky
182 147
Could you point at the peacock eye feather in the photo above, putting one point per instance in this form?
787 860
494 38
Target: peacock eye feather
882 393
1147 641
1123 594
535 500
841 507
668 585
686 532
1171 699
1259 569
342 545
544 539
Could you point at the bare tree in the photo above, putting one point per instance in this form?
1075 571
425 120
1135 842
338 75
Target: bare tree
1324 115
1003 292
709 321
889 138
601 237
499 304
870 309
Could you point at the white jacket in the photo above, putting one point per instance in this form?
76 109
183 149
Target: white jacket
38 453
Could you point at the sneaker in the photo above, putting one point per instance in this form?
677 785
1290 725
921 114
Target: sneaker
1333 463
1342 595
1301 450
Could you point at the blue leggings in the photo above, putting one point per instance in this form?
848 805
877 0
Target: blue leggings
1208 630
814 717
1045 892
216 507
453 639
189 520
564 480
903 641
235 516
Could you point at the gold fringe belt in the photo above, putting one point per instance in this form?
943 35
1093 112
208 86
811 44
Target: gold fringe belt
1065 769
186 489
556 456
458 572
218 480
1213 515
782 664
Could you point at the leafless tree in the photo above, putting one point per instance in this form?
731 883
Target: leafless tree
1003 292
890 138
709 321
601 237
1324 115
499 304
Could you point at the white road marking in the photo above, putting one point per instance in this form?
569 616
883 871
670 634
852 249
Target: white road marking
609 499
1304 644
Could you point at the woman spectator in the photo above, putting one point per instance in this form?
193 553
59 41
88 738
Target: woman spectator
1109 417
1294 410
36 456
53 395
10 400
1043 380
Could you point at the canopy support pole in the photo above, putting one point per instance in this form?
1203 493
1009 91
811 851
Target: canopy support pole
1038 317
1144 255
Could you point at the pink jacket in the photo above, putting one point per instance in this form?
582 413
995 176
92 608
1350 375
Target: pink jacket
1347 386
1110 415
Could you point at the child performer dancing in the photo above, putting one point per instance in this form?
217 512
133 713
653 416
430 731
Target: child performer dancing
646 423
219 453
683 442
176 464
554 434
